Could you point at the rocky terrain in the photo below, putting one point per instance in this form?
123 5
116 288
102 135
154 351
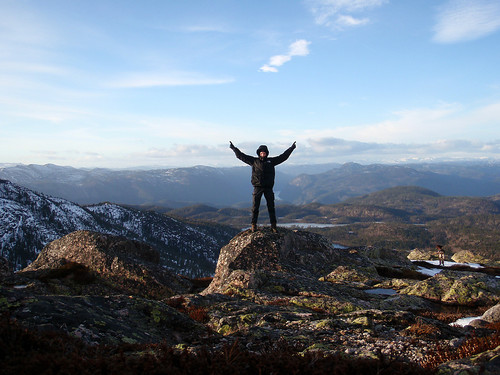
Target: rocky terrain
292 292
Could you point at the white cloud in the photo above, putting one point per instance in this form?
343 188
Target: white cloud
297 48
462 20
279 60
338 13
268 69
343 20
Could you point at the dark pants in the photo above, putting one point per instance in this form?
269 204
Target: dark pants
257 196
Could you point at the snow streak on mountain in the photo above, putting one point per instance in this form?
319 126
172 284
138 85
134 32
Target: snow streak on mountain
29 220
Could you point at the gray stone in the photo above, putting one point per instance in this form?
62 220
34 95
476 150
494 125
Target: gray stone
478 323
492 315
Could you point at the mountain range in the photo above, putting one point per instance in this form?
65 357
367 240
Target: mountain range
230 187
404 204
403 217
29 220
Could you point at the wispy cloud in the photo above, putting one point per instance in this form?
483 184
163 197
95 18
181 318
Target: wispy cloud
28 43
420 125
339 14
185 150
297 48
331 149
22 27
143 80
205 29
463 20
328 150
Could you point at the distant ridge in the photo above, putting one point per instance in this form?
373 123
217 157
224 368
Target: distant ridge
230 187
352 180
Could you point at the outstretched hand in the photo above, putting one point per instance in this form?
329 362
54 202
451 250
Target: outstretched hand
294 145
231 146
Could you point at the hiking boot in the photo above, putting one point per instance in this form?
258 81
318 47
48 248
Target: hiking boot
274 229
254 228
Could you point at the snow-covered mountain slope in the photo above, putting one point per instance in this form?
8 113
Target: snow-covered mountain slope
29 220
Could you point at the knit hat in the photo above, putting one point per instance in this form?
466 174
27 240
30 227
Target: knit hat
262 148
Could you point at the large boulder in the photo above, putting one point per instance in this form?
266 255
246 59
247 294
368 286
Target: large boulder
124 265
461 288
296 253
288 266
492 315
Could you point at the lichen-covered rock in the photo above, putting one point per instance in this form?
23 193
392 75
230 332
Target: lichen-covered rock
345 274
263 266
417 254
127 266
396 284
102 319
466 256
293 252
461 288
402 302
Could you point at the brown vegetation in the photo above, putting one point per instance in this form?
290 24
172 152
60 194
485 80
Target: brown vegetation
422 329
200 314
470 347
452 316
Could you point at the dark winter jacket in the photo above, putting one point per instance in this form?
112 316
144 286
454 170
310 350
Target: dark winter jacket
263 168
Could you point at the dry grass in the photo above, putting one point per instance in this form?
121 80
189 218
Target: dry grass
422 329
470 347
200 314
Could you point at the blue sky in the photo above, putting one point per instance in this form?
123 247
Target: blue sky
170 83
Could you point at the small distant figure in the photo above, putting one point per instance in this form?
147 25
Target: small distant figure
263 179
440 253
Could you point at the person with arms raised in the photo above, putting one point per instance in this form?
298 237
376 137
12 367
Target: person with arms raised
263 174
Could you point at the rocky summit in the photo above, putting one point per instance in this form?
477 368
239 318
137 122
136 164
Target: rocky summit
291 289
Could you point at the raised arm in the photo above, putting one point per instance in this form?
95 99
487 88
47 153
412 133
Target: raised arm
281 158
240 155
